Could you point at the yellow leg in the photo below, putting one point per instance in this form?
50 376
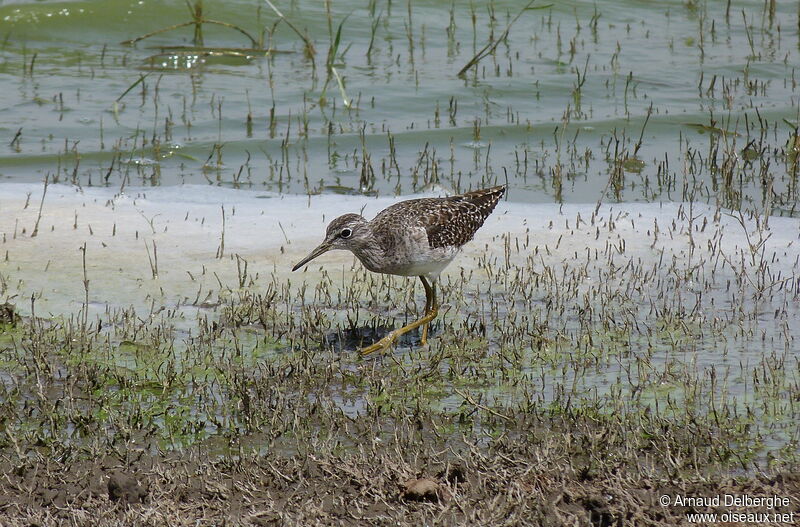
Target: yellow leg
431 310
430 303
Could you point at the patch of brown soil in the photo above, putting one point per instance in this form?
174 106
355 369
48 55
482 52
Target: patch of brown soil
355 489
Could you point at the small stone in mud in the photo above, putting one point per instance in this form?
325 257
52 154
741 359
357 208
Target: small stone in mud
421 490
125 488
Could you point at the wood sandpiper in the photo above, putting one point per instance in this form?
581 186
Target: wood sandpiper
418 237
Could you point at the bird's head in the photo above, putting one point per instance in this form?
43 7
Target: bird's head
345 232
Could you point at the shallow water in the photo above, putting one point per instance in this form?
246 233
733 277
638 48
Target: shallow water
678 289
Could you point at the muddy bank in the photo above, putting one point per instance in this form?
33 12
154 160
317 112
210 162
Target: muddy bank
511 485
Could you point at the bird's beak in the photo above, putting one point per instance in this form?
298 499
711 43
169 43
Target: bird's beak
323 248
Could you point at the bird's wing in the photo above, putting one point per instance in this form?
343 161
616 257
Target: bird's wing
459 217
448 222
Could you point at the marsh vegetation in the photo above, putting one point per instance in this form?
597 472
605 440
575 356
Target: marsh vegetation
625 327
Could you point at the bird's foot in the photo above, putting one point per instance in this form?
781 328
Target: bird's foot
390 339
382 345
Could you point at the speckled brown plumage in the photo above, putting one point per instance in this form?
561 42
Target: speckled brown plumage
448 222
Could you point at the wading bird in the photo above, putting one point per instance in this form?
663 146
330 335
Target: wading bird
418 237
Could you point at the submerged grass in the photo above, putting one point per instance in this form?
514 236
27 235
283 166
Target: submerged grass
526 343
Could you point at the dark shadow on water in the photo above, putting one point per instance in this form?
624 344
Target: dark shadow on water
353 339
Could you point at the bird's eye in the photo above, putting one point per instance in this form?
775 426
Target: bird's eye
346 233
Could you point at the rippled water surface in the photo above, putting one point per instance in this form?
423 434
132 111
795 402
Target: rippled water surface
557 109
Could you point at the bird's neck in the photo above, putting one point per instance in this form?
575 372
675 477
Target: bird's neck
370 253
